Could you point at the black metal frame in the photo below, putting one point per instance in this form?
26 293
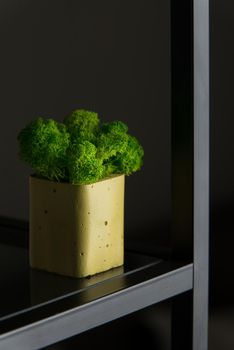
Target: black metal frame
91 307
190 166
187 282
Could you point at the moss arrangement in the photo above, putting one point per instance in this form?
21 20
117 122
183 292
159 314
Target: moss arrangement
81 150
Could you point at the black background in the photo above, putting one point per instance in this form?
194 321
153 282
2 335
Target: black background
109 56
114 57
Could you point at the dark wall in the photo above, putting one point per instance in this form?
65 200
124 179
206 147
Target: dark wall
222 147
109 56
222 106
113 57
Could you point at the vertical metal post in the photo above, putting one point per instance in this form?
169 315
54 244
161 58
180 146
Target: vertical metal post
201 174
190 166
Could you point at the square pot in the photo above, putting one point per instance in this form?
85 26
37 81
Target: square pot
77 230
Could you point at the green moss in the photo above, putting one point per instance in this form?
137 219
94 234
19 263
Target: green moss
115 127
79 150
111 145
43 144
83 166
131 159
82 125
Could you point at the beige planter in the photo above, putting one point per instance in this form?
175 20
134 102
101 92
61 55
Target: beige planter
76 230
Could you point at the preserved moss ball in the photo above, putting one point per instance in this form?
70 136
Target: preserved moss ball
83 166
82 125
43 144
80 150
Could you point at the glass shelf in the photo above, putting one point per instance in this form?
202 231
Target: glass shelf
39 308
25 289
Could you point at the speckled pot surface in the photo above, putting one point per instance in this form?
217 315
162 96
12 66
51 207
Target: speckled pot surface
77 230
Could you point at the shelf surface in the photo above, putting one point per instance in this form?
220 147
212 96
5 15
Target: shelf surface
24 289
39 308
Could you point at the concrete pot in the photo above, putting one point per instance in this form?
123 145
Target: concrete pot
77 230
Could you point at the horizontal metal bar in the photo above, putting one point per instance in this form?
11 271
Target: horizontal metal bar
95 313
